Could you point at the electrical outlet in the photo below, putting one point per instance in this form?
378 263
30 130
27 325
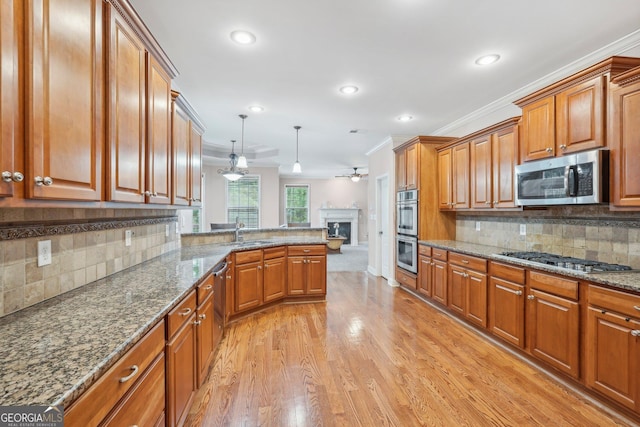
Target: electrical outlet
127 238
44 252
477 225
166 230
523 229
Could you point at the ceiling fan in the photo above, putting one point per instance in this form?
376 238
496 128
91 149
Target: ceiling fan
355 176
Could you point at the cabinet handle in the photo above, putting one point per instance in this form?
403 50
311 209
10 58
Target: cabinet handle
185 312
437 254
464 261
206 288
202 316
197 322
637 307
306 251
635 333
519 293
433 263
548 149
46 181
134 370
531 297
563 147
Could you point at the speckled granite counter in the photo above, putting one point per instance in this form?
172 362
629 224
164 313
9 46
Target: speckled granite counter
51 352
623 281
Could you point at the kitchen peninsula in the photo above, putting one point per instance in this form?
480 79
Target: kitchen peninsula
53 352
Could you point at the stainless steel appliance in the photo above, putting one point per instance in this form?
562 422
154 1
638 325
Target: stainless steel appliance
407 252
581 178
407 212
570 263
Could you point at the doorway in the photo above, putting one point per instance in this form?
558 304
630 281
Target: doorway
383 254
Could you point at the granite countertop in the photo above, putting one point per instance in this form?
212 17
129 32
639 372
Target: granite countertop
53 351
622 281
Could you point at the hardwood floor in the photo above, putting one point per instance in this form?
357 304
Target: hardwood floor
374 355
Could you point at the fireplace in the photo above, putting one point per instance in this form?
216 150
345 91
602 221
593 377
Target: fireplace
329 216
344 229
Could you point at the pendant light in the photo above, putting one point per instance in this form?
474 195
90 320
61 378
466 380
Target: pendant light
242 160
233 173
296 166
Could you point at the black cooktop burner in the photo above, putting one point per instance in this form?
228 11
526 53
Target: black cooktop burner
578 264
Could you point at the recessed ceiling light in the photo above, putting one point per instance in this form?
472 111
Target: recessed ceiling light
242 37
405 118
488 59
349 90
256 109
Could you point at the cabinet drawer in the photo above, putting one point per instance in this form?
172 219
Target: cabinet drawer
94 404
554 285
204 289
424 250
467 261
307 250
245 257
440 254
621 302
507 272
180 314
406 279
270 253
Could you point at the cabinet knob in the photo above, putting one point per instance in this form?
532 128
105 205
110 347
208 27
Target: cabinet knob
563 147
202 316
147 193
495 202
15 177
228 277
6 176
635 333
197 322
487 202
531 297
259 267
548 149
40 181
519 293
433 263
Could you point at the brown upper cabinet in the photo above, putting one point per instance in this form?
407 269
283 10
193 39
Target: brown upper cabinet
64 99
569 115
407 167
8 98
453 177
624 143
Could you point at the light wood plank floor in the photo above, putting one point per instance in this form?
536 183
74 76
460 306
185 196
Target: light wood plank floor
374 355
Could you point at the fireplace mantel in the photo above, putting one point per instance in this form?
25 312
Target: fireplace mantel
328 215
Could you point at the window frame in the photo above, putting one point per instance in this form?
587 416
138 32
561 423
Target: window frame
226 195
286 220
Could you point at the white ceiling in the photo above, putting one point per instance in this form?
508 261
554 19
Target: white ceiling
407 57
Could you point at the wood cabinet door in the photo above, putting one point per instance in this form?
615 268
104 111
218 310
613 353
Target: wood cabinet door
439 284
481 173
553 326
9 129
145 404
624 143
504 149
456 292
476 298
275 273
195 168
613 356
401 170
296 275
460 173
181 372
64 99
316 275
248 292
506 311
205 339
158 184
580 116
538 130
412 166
181 134
126 113
425 275
445 180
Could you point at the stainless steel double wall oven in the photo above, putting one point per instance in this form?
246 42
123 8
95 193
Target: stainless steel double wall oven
407 230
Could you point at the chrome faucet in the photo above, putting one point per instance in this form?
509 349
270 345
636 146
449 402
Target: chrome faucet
239 225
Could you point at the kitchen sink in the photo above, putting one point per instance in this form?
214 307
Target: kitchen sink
253 243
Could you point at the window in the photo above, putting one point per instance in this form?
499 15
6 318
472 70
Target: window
296 208
243 201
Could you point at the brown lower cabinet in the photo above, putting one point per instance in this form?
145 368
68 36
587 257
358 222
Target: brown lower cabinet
467 287
506 302
307 270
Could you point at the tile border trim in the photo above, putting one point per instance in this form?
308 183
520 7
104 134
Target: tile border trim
593 222
25 231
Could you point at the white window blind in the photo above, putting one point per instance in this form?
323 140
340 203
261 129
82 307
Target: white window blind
243 201
296 208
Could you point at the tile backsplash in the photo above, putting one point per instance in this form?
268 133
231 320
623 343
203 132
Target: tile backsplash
592 233
86 245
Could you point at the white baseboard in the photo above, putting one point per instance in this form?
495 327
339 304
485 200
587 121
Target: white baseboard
371 269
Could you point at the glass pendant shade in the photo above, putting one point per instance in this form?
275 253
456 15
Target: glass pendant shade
355 178
233 173
242 162
296 166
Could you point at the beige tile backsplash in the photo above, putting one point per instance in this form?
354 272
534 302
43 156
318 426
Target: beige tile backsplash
77 259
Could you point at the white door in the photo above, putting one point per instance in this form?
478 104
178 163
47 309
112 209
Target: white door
384 253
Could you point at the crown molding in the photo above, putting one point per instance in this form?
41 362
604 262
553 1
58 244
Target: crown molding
387 141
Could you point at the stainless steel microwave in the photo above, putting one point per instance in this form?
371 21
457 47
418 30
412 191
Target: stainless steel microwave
580 178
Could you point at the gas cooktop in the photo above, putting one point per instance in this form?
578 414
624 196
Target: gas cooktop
575 264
